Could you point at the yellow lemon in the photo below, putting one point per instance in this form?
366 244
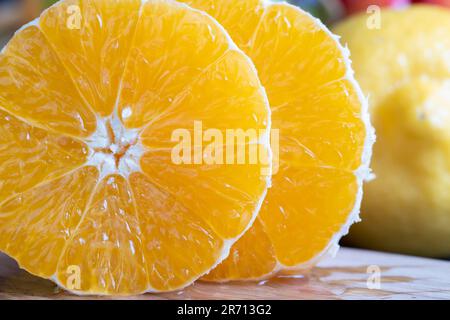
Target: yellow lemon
403 65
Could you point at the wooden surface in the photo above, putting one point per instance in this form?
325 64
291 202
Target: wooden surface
344 277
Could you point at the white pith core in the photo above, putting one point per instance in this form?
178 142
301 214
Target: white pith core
114 149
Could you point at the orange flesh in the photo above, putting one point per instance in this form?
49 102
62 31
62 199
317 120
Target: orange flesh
156 67
322 136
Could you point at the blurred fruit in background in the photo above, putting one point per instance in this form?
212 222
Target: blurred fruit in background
404 68
330 11
354 6
445 3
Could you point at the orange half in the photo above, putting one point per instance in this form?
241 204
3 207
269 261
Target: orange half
325 137
90 96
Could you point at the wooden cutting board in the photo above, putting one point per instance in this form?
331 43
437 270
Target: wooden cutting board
351 275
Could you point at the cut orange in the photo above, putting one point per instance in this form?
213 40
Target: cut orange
325 137
90 95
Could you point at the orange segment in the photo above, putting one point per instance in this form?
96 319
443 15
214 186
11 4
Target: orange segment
35 86
97 202
35 224
170 229
93 39
239 18
107 245
30 156
303 140
301 229
232 89
325 136
307 56
159 67
256 263
229 193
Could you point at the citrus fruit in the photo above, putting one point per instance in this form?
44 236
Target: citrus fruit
325 137
355 6
445 3
90 96
407 208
